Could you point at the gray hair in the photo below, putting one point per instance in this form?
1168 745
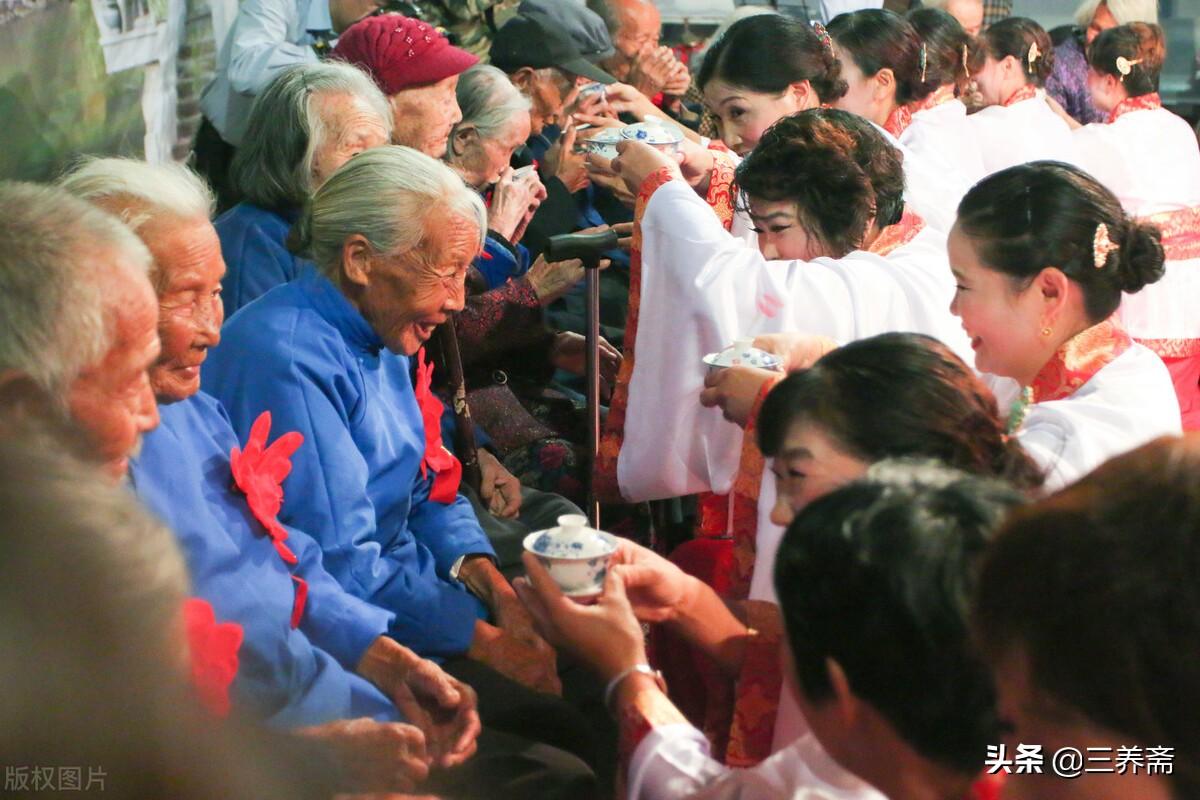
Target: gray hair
1123 11
489 102
273 166
56 316
137 191
388 195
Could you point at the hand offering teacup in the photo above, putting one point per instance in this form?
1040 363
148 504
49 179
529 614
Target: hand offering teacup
743 353
575 555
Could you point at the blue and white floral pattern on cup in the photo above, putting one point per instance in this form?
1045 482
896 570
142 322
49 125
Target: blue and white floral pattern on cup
575 555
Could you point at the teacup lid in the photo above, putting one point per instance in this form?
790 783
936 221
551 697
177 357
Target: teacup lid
572 538
743 353
651 133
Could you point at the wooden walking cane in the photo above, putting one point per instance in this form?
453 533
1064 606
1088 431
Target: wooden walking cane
464 431
588 247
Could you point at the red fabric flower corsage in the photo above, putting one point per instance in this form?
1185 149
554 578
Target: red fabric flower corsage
447 471
213 652
258 471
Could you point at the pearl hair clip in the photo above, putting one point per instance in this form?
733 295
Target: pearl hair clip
1033 55
1125 66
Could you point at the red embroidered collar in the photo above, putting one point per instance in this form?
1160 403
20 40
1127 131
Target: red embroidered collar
1143 102
902 116
1026 92
1079 359
898 235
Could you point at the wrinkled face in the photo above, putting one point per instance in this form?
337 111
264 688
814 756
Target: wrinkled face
408 296
863 96
550 90
781 236
639 31
481 161
423 116
810 464
190 269
112 401
1030 717
969 14
351 126
743 115
1001 319
344 13
1102 20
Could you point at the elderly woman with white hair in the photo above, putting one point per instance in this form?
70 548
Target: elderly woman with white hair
308 122
392 235
508 352
1068 81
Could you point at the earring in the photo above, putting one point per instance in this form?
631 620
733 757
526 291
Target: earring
1046 332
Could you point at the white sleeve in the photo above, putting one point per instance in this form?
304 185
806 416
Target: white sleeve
260 45
701 288
672 763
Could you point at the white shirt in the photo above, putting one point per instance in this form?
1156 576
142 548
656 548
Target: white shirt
703 287
672 763
931 188
1026 131
1128 403
1150 160
942 135
267 37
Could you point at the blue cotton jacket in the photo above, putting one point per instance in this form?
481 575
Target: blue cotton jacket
287 676
304 352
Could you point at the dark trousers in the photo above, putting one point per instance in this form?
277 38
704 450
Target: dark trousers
577 722
213 157
508 767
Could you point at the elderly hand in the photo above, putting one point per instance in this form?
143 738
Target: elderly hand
592 104
499 488
513 201
603 176
606 635
375 756
529 663
657 590
569 353
678 81
553 279
797 350
563 162
654 69
442 707
735 389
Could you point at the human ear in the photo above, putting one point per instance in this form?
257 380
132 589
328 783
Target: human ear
356 259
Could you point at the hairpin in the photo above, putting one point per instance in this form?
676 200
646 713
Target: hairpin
1032 57
1102 246
966 53
823 36
924 62
1125 66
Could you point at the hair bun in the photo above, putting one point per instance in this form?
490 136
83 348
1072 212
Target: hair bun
1141 258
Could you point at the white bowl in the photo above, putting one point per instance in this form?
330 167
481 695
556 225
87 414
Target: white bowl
575 555
604 143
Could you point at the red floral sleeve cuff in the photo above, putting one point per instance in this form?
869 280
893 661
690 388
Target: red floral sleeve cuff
759 686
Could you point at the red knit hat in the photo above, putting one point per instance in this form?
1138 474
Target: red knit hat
400 52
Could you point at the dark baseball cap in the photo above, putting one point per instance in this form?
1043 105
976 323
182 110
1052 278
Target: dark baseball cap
585 26
538 42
